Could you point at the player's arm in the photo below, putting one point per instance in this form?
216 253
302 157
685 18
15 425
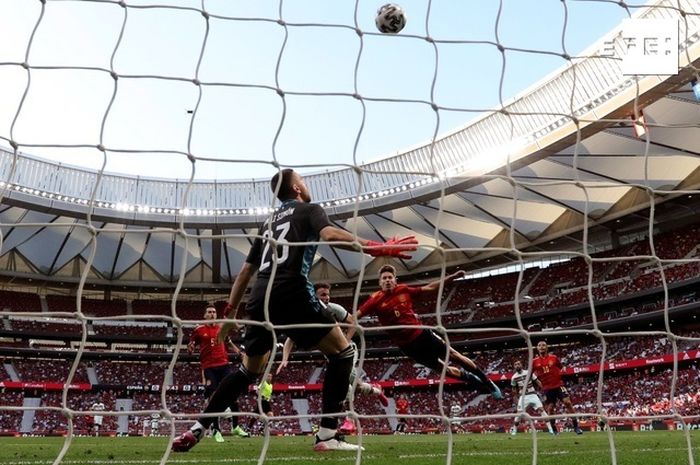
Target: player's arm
286 350
361 312
232 347
394 247
234 300
435 285
192 343
351 329
537 383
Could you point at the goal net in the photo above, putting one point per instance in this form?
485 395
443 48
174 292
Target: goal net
518 141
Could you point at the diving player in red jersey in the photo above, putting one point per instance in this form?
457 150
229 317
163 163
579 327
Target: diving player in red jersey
393 305
547 368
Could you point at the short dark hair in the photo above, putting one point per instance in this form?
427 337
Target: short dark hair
286 192
318 286
387 269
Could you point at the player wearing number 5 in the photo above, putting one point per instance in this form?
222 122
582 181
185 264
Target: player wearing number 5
282 255
214 358
547 368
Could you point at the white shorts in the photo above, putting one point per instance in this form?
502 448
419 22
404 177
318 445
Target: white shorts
529 400
97 420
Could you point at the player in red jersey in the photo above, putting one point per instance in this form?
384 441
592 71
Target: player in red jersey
213 357
393 305
402 409
547 368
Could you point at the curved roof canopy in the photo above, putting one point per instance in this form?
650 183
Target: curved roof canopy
562 156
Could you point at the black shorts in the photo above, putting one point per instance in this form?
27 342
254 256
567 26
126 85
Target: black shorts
266 407
427 349
290 303
213 376
551 396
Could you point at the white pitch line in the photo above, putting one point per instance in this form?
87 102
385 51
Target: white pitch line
347 458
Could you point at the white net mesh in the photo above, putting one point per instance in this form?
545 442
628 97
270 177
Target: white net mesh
551 189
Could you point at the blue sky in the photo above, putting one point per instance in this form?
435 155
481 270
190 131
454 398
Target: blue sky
239 118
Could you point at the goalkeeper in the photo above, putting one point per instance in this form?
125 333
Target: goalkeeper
282 254
393 305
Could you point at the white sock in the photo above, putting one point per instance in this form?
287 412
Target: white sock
325 433
197 429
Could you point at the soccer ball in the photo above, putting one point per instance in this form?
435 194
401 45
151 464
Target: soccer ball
390 19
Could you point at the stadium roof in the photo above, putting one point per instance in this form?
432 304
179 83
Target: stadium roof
458 186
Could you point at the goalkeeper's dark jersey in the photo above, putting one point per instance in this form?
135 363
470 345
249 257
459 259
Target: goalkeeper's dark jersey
293 223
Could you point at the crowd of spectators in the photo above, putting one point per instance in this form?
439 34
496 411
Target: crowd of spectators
557 286
10 420
576 353
641 392
615 272
184 309
565 284
130 330
51 326
126 373
89 307
11 301
55 421
49 371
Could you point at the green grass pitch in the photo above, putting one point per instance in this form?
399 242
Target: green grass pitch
633 448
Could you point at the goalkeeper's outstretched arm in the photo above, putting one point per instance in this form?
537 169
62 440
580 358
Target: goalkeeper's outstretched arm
394 247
